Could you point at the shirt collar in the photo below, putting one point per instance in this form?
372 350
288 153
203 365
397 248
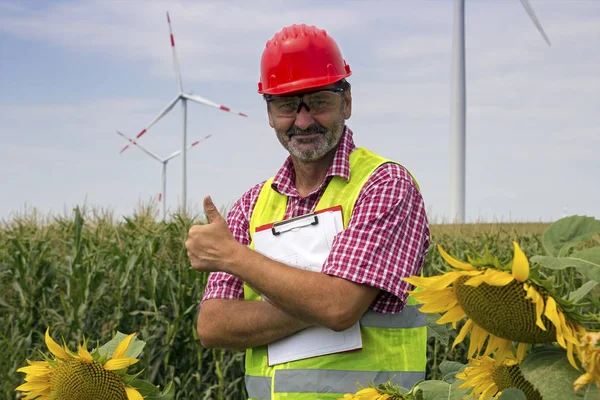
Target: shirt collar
283 182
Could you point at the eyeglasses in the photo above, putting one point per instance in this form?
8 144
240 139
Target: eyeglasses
315 102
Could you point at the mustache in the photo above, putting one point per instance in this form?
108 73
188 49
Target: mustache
314 128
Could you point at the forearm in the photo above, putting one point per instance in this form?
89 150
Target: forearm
310 296
243 324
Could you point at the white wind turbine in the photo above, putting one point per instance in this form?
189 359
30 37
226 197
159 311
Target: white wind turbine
458 108
184 97
162 197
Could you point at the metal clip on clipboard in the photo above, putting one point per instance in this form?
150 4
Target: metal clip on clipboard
296 222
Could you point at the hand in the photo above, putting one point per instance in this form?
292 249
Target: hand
211 247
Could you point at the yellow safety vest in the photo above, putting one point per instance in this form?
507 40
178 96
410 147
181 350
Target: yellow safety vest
394 345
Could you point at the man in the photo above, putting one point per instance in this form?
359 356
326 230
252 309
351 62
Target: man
386 238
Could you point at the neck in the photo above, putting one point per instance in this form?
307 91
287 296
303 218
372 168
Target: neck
311 174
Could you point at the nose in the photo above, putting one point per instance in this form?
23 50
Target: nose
303 119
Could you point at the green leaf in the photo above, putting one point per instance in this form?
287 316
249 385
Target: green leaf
439 390
567 232
580 293
512 394
167 394
144 387
586 261
440 332
549 371
449 369
135 347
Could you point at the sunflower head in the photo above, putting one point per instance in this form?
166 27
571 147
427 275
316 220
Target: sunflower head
503 302
66 375
489 379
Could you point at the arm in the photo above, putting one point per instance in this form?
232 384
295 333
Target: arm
242 324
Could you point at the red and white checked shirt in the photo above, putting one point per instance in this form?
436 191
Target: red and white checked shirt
386 240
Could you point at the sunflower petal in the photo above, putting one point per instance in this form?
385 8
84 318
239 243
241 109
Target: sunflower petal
454 262
119 363
84 354
455 314
122 348
463 332
133 394
552 315
521 350
30 386
35 370
520 264
55 347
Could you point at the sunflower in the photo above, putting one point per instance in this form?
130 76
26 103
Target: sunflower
590 360
488 379
81 375
502 303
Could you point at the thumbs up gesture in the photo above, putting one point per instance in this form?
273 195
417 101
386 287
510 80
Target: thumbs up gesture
211 247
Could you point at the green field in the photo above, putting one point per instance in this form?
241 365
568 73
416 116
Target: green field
91 276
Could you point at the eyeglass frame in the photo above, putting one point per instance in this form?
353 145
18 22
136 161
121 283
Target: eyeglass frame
269 98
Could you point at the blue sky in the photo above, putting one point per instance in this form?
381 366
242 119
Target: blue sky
72 73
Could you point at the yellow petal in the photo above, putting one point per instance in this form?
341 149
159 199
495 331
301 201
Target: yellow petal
133 394
455 314
520 264
463 332
442 304
30 386
492 277
552 315
122 348
454 262
119 363
55 347
35 370
84 354
478 337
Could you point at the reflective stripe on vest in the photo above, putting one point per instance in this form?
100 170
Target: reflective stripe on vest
334 381
409 317
258 387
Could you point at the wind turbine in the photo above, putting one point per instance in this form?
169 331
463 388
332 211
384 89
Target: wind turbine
184 97
162 197
458 108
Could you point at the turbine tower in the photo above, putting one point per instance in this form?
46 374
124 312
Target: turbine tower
162 197
184 97
458 104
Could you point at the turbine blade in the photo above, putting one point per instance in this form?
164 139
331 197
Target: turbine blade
138 145
207 102
175 154
155 120
175 61
534 19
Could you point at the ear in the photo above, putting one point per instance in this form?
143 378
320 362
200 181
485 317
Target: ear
347 104
270 117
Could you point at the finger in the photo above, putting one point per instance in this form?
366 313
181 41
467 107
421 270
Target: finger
211 211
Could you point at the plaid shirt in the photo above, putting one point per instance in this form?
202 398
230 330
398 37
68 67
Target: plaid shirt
387 237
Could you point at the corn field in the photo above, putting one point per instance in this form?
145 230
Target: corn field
87 275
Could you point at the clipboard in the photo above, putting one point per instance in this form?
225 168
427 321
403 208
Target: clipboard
305 242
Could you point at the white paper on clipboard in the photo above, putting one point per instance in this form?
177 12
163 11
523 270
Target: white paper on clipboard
305 242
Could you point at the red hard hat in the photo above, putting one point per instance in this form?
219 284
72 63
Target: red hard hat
300 57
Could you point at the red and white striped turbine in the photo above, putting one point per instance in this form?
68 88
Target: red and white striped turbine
162 196
184 97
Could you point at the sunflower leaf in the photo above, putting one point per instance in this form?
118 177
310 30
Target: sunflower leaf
580 293
449 369
439 390
512 394
548 370
168 393
440 332
566 233
585 261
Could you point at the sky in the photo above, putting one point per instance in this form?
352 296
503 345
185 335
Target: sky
72 73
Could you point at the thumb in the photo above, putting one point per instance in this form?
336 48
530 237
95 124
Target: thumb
211 211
